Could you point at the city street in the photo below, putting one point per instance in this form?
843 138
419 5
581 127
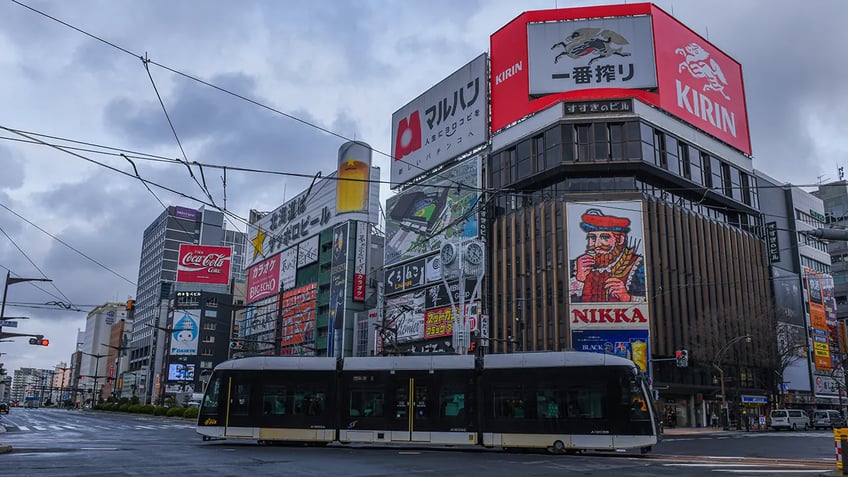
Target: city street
60 442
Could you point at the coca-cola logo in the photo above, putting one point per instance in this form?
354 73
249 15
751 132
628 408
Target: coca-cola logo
212 262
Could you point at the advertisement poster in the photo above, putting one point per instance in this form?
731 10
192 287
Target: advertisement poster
449 119
180 372
354 167
204 264
422 217
439 322
185 334
818 320
360 250
405 315
298 315
263 279
630 344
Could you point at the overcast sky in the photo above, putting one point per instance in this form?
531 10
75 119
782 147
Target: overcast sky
343 66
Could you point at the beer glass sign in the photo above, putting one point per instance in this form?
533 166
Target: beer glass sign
354 168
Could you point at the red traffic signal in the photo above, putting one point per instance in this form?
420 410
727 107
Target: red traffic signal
39 340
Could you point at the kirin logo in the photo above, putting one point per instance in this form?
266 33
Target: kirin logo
699 64
591 41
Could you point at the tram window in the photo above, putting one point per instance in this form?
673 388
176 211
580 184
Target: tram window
309 401
274 400
210 400
402 403
241 400
548 403
366 404
421 408
509 403
587 402
452 403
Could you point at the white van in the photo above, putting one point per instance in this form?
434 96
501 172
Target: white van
789 419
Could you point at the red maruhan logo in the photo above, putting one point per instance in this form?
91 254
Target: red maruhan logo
592 42
699 64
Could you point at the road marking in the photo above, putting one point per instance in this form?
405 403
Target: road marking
99 448
23 428
39 428
774 471
709 464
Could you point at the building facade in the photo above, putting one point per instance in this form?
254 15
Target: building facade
158 270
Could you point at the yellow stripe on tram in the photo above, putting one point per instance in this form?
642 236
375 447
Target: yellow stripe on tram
411 405
229 392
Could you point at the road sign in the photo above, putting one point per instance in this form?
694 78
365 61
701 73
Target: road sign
10 324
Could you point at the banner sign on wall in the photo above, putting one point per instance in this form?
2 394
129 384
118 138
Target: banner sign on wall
818 319
338 283
185 335
439 322
446 121
360 249
586 54
263 279
307 251
288 267
630 344
298 315
406 316
204 264
422 217
436 296
352 186
303 217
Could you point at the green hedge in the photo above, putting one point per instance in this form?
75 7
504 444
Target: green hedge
191 412
176 412
160 411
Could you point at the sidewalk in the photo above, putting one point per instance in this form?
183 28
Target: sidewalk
685 431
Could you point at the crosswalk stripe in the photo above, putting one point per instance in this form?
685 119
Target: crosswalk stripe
23 428
39 428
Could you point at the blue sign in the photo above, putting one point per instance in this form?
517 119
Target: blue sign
755 399
630 344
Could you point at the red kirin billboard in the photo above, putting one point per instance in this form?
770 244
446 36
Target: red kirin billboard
204 264
543 57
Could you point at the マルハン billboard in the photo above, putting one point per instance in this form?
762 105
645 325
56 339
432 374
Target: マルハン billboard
446 121
422 217
204 264
695 81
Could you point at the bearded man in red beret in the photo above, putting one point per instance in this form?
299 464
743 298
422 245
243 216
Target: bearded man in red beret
611 270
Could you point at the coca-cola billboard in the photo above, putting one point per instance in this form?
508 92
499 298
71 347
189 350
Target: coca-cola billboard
204 264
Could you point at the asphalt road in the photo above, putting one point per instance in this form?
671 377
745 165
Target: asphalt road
59 443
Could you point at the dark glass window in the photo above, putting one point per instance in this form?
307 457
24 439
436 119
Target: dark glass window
567 143
525 165
685 166
584 137
727 184
539 151
660 158
706 170
601 139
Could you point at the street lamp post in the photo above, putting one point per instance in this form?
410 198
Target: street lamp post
97 358
717 365
11 281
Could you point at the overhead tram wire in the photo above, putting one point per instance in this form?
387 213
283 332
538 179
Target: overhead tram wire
37 268
218 88
145 61
69 246
175 161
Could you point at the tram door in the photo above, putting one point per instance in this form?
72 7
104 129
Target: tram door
414 408
239 403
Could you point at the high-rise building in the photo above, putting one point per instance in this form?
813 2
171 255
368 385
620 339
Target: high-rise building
157 278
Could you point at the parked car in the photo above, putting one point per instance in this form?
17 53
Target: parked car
793 419
4 407
827 418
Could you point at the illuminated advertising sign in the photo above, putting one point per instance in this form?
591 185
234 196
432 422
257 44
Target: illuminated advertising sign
818 320
695 81
631 344
184 213
700 84
360 254
263 279
298 315
185 335
204 264
303 217
586 54
406 316
180 372
419 219
439 322
352 186
446 121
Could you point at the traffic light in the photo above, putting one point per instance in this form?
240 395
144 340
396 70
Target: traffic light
39 340
130 304
682 357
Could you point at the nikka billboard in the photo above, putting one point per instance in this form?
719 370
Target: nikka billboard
204 264
602 52
449 119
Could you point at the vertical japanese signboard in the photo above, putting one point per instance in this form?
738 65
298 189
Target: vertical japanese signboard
263 279
359 261
818 320
338 285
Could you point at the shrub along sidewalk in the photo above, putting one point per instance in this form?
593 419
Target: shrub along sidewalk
176 411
